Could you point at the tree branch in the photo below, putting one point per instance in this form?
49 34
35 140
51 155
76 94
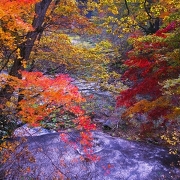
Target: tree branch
8 59
147 12
126 4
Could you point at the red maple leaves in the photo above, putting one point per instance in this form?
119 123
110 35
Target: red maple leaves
150 63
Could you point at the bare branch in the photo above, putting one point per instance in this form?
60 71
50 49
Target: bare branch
127 7
147 11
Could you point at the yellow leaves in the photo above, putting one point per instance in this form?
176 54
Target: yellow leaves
140 12
76 53
142 17
64 38
114 10
24 64
115 88
171 87
138 107
174 114
172 138
169 140
171 83
67 8
56 47
10 104
157 9
91 6
6 148
175 56
18 54
102 46
165 9
7 39
146 106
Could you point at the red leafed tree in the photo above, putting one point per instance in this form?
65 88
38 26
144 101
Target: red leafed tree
47 98
152 61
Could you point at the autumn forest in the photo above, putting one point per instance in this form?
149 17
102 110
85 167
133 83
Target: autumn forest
130 48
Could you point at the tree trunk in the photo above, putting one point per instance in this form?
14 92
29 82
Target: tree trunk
25 50
26 47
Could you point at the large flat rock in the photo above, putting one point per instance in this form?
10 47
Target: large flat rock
47 157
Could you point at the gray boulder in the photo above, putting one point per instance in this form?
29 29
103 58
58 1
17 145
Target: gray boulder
27 130
48 157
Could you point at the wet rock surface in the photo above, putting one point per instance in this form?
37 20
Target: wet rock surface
48 157
27 130
102 103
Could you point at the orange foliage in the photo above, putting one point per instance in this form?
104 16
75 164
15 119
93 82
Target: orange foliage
144 105
43 95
